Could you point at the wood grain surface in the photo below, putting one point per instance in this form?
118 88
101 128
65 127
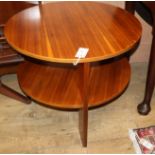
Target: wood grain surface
54 31
37 129
60 86
83 112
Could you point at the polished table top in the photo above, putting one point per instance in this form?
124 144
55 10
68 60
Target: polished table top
55 31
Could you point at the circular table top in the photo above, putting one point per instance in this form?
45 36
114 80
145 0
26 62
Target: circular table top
55 31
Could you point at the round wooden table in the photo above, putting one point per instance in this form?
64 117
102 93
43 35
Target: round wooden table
50 36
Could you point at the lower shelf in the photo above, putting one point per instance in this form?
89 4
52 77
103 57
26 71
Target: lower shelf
59 85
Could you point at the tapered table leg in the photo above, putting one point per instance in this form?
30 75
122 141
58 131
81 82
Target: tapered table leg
144 108
83 113
13 94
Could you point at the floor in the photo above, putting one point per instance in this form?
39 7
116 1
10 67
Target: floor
37 129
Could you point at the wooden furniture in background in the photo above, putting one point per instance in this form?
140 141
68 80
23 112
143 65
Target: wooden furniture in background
51 38
9 59
148 8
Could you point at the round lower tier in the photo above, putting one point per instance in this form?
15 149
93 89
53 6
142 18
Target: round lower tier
59 85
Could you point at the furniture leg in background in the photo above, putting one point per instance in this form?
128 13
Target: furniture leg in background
9 58
144 108
7 91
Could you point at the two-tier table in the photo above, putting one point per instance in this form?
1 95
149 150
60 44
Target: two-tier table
50 35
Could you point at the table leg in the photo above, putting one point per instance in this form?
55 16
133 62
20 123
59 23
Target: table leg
144 108
83 113
130 6
13 94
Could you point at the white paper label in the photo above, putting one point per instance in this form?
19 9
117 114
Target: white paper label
81 53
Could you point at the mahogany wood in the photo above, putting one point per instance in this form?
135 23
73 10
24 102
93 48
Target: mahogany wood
144 108
56 31
9 59
10 8
9 92
130 6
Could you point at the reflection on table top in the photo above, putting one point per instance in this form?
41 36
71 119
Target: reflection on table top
55 31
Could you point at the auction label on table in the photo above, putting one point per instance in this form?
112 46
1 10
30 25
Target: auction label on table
81 53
